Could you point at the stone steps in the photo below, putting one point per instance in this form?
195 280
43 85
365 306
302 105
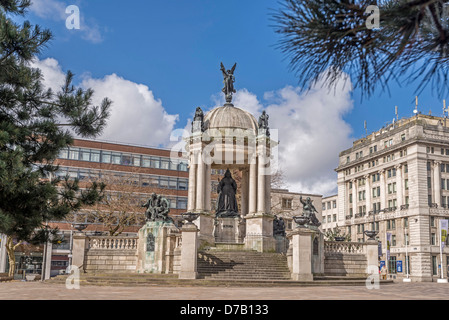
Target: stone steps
150 280
242 265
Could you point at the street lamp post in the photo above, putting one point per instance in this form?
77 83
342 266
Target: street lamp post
407 279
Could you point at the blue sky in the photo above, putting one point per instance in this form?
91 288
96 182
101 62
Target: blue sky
174 48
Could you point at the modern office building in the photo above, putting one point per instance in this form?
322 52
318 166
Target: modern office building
396 181
141 170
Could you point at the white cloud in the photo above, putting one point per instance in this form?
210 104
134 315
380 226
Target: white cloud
49 9
53 76
56 10
137 117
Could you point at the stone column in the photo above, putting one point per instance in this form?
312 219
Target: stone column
372 247
189 246
80 244
267 195
261 184
244 206
399 186
192 184
383 195
355 196
301 242
368 191
200 183
252 207
437 182
208 188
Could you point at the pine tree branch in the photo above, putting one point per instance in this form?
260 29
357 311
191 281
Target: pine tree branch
438 25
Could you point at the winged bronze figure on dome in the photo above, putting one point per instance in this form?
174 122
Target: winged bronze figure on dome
228 80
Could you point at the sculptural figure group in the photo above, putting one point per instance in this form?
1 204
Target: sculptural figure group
158 208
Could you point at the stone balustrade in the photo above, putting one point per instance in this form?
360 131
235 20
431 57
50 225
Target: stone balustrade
343 258
112 243
344 247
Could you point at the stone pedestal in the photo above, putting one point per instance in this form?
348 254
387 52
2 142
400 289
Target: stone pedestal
79 250
302 250
205 225
229 230
372 255
318 253
189 248
152 246
281 244
259 232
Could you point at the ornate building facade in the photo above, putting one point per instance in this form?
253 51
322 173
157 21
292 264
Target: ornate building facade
395 181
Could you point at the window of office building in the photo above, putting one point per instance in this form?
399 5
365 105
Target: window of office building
286 203
116 158
84 154
392 264
95 155
165 164
105 157
74 154
155 163
391 224
434 265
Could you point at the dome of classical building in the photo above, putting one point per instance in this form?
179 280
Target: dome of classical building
230 117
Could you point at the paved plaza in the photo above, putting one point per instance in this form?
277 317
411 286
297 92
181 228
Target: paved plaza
18 290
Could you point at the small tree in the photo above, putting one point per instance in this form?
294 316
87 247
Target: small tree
278 180
336 233
35 124
121 205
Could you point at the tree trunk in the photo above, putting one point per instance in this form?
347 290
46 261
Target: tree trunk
10 248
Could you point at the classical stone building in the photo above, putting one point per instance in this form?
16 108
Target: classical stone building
329 213
396 181
286 204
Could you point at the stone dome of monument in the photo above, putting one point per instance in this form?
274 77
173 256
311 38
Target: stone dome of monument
230 117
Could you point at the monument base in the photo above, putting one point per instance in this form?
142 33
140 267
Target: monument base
259 232
281 243
152 246
205 225
306 253
229 230
189 250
